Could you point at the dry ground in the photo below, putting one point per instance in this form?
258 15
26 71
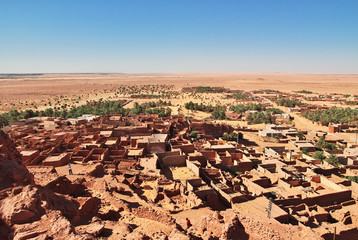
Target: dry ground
34 88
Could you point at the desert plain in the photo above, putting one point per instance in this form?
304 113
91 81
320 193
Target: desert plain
37 87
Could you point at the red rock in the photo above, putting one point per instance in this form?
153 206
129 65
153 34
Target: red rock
95 170
177 235
112 184
22 216
51 225
136 236
88 208
93 229
20 207
12 170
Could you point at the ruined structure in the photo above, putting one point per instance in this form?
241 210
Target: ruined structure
139 177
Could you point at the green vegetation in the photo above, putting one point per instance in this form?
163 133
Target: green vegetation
304 91
267 91
254 107
241 96
319 155
351 102
230 136
300 134
333 115
202 89
273 110
322 144
263 115
288 102
202 107
193 134
145 89
145 96
93 107
260 117
305 151
232 172
147 109
217 112
153 104
333 160
353 178
243 108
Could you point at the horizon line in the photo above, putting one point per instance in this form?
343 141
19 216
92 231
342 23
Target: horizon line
144 73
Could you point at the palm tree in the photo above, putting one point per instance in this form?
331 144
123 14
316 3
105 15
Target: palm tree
333 160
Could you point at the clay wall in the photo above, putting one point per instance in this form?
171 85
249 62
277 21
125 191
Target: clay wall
284 184
193 167
263 182
289 201
179 160
208 154
351 161
329 199
202 194
253 187
162 155
200 159
193 183
157 147
245 166
188 148
354 188
266 168
236 155
331 184
226 160
322 200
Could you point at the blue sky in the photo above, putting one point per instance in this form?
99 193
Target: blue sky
166 36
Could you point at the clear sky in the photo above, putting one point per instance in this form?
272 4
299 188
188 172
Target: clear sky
164 36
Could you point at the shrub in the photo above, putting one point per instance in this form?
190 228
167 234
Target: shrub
333 160
333 115
230 137
319 155
193 134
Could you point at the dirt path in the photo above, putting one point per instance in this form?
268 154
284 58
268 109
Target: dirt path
300 122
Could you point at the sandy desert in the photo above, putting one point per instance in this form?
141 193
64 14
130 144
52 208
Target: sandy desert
22 88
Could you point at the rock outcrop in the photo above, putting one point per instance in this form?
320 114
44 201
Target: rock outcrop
12 171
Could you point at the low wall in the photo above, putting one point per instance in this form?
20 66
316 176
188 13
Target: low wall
165 154
322 200
187 148
202 194
329 199
179 160
193 167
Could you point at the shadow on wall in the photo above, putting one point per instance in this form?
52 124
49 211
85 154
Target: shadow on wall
351 234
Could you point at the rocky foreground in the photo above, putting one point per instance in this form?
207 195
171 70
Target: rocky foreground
45 204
